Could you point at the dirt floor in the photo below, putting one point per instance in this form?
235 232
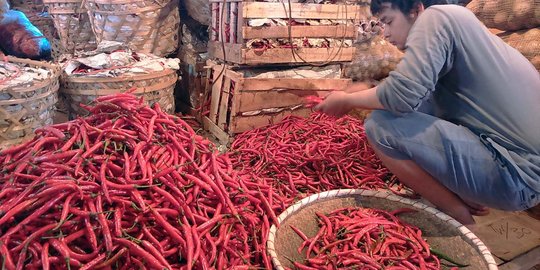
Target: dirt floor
512 237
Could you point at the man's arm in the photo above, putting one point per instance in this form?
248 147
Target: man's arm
340 103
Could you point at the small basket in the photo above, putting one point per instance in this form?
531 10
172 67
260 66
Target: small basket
24 108
72 25
149 26
442 231
156 87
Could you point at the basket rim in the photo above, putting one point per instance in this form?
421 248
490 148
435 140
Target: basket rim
270 242
135 77
49 82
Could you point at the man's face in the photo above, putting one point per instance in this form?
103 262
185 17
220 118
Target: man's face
396 25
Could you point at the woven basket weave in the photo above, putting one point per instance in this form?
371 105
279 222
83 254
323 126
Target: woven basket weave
72 25
36 5
156 87
149 26
43 21
24 108
442 232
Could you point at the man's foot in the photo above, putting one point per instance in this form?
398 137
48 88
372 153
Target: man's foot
476 209
534 212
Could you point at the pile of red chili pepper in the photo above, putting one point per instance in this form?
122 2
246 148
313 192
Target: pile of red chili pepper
299 157
128 186
362 238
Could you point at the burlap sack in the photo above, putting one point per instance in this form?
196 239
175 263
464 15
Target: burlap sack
374 59
199 10
509 15
527 42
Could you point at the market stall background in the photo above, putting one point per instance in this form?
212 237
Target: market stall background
238 73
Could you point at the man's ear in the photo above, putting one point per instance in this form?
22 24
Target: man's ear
417 9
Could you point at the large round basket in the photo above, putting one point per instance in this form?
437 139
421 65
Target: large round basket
72 25
36 5
26 107
441 231
144 25
156 87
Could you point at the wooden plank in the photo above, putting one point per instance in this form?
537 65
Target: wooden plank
251 101
510 235
235 104
217 84
224 103
233 20
221 135
214 27
244 123
253 84
220 21
233 52
300 31
285 55
525 261
239 23
304 11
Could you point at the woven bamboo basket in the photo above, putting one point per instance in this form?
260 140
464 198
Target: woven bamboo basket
24 108
149 26
36 5
155 87
72 25
43 21
441 231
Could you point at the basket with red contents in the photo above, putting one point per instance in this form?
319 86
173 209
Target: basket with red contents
367 229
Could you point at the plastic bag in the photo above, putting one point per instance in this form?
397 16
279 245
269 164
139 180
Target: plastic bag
373 60
19 37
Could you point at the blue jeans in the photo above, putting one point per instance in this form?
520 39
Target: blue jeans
454 156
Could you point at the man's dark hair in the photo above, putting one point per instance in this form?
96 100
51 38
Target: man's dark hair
406 6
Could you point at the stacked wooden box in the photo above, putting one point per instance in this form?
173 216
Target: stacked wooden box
237 102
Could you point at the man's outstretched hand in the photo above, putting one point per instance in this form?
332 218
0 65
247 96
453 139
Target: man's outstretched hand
336 104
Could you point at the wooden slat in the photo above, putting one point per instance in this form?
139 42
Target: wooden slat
245 123
239 23
252 84
235 104
233 18
216 92
221 16
224 103
221 135
310 55
303 11
251 101
214 27
300 31
233 52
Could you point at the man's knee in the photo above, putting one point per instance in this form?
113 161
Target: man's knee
378 127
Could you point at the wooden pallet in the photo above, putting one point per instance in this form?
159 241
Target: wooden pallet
230 32
234 96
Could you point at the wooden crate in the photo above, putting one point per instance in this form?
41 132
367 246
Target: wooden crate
230 32
233 96
190 92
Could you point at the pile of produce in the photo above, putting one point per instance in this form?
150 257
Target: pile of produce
133 186
127 186
363 238
299 157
